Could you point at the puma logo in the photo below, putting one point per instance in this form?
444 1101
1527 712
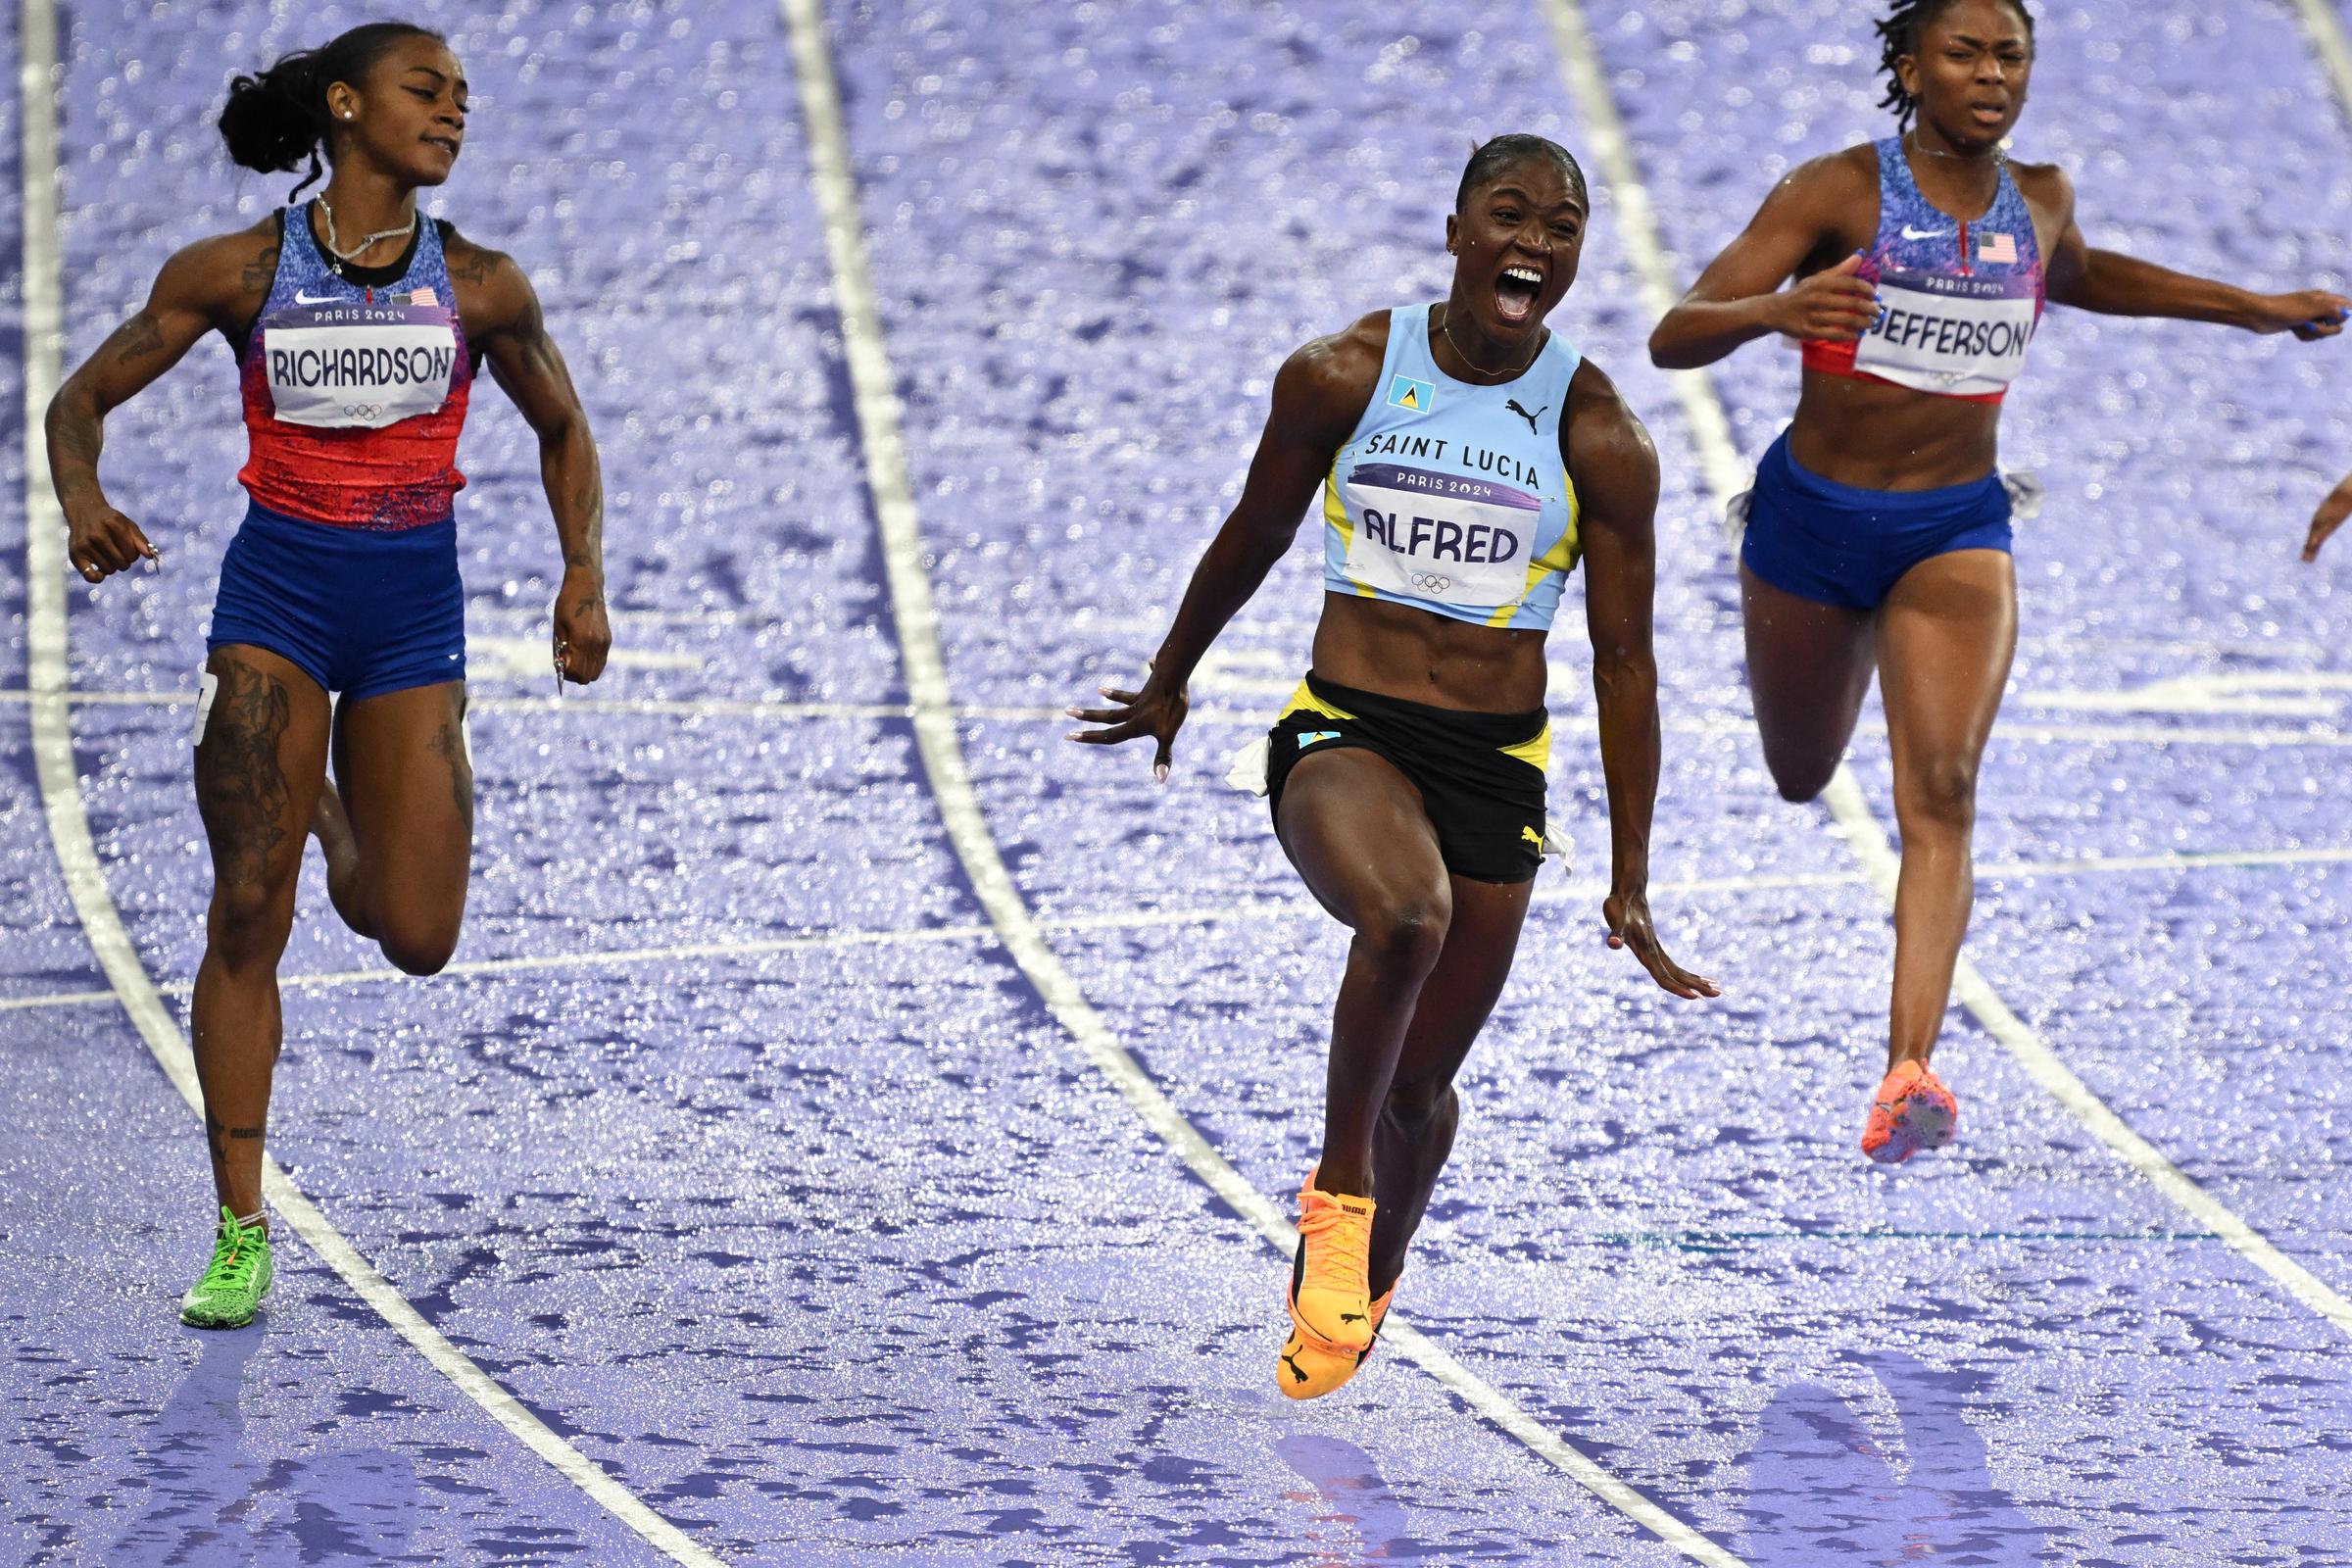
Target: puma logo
1513 406
1351 1317
1291 1362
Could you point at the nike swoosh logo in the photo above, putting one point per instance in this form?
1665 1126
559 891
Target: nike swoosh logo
1928 233
300 298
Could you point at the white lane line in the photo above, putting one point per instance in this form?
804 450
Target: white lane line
2326 31
886 472
1575 891
1241 713
77 855
1726 476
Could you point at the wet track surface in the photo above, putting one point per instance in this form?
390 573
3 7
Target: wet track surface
822 1236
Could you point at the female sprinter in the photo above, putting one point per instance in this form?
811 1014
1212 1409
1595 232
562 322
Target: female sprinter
1878 532
1467 457
356 324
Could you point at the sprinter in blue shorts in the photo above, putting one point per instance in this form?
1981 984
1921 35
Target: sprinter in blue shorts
357 324
1878 532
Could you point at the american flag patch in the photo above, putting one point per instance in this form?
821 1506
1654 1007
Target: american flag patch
1996 248
424 296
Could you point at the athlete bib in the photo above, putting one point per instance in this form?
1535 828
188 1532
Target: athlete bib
1438 537
1452 497
1962 296
358 367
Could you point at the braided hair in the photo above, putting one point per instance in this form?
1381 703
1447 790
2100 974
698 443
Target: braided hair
1899 34
273 122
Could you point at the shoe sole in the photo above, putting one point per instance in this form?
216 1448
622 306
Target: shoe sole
1924 1125
203 1320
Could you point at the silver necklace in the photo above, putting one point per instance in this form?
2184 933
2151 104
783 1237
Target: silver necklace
1445 330
1911 140
367 241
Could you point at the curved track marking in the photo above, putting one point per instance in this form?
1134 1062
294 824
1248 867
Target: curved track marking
2327 30
886 472
77 852
1710 429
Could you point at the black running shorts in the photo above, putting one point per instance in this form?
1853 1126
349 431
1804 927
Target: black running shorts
1481 775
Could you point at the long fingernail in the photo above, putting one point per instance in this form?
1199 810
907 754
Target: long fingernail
1070 711
1071 736
1159 771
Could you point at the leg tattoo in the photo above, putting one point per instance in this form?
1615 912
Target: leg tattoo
238 780
450 744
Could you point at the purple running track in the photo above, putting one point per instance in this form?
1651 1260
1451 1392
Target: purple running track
821 1237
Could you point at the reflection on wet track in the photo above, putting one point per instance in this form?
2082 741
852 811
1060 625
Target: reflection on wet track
841 1250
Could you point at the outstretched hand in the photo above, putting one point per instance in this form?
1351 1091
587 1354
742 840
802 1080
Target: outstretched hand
2310 314
2330 517
1628 915
1156 710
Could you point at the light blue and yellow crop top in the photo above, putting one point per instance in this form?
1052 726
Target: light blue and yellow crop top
1454 498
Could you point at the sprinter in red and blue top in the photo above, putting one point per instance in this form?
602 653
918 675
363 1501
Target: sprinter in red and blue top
358 325
1878 530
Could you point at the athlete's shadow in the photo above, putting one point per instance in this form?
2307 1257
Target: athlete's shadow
1821 1490
211 1502
1360 1519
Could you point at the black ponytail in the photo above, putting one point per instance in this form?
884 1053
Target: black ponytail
274 120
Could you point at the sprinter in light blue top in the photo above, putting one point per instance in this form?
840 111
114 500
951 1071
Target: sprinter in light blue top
1452 497
1406 776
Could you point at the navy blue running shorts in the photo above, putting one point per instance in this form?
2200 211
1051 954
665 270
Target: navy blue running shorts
360 611
1836 544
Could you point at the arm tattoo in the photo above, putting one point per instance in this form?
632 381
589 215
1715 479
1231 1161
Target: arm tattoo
261 272
137 338
473 266
241 789
587 504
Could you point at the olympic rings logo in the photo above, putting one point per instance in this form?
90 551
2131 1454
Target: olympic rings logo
1431 580
363 410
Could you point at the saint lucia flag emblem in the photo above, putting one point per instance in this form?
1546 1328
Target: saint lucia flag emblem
1312 735
1406 393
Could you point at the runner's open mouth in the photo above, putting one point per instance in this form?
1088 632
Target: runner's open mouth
1515 292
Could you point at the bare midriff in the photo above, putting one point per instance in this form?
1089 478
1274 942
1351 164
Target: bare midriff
1398 651
1876 435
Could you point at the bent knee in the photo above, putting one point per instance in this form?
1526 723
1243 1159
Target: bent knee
418 949
1799 788
1801 775
1407 934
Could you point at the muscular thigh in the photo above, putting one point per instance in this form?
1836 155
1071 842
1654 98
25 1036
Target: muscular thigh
1946 637
260 761
1357 830
406 784
1809 666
